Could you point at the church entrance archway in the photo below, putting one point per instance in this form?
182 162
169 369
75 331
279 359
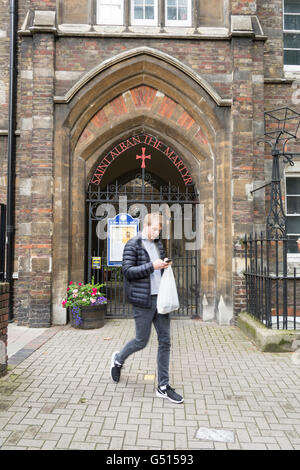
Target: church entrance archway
139 175
144 91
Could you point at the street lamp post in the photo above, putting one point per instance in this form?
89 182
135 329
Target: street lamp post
281 126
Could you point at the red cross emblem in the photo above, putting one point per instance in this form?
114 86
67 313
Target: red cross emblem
143 157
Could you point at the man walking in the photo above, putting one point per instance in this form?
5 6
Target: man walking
143 266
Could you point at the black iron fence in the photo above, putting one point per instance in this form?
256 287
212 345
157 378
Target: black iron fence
272 287
2 241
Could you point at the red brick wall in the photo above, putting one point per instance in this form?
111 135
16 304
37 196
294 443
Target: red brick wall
211 59
4 80
3 327
43 4
34 175
270 16
243 7
239 280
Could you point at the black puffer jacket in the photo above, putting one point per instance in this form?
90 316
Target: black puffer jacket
137 268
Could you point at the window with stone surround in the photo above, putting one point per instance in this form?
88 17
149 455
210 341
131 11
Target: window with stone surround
178 12
211 13
144 12
110 12
292 199
206 15
74 12
291 33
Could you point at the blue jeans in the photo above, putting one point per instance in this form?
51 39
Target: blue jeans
143 322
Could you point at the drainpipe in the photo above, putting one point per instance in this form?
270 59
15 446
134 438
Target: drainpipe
11 152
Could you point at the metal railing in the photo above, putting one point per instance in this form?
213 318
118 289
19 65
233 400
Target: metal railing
272 290
2 241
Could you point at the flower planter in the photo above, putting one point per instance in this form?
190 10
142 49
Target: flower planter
91 316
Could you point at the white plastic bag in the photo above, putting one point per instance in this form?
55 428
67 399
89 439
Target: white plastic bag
167 298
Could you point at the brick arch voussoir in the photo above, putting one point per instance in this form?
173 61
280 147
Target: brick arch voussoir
143 71
187 147
142 99
188 151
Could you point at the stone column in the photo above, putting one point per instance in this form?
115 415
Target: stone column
259 177
42 172
61 211
247 119
4 86
35 174
23 185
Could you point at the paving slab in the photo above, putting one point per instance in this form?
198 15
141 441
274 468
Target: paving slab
59 394
19 336
23 341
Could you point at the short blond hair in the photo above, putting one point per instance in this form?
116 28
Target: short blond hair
153 217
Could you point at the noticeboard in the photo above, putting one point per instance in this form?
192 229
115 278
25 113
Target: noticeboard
96 262
120 229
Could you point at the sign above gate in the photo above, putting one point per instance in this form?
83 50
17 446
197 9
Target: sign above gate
142 139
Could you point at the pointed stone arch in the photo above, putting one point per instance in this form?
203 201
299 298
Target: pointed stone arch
139 108
143 66
148 91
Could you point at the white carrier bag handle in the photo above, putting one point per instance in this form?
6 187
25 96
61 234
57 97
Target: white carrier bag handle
167 297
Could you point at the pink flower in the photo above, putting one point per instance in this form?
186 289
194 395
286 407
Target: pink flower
64 303
79 283
68 288
75 295
93 301
70 283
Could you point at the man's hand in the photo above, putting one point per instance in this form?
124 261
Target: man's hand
160 264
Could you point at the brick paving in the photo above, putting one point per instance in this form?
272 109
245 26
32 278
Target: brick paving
61 396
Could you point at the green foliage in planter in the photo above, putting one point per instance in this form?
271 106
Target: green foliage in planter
82 295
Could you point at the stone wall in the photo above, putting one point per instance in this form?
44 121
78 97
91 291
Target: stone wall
4 295
34 178
270 15
243 67
4 81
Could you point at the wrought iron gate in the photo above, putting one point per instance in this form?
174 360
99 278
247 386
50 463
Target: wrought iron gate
141 188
